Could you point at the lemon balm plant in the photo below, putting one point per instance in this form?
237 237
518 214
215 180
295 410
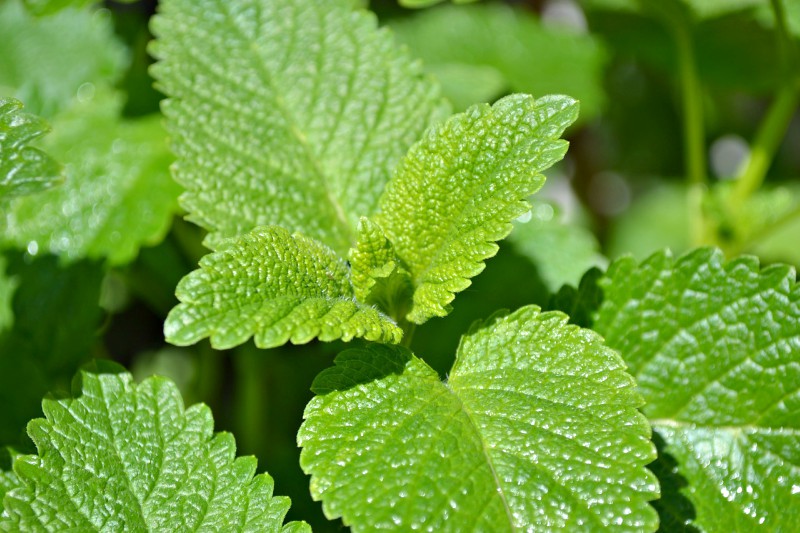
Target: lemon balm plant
342 200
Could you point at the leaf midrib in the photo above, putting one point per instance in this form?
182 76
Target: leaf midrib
294 131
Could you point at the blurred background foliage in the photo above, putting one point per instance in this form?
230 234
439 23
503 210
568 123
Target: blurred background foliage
675 94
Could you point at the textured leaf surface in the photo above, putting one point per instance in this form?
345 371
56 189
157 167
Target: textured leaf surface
56 317
118 193
23 168
715 349
562 251
286 113
127 457
48 62
491 39
460 187
377 275
535 429
275 287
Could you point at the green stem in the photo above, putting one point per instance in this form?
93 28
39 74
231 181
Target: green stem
766 143
251 398
694 146
408 333
773 128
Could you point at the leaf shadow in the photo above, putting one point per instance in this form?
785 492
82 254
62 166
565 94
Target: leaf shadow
357 366
675 511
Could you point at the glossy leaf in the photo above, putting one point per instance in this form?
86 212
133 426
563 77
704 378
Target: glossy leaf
49 62
536 428
286 113
460 187
275 287
118 193
24 169
480 52
715 348
129 457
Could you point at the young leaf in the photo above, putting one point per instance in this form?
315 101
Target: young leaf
475 46
460 187
378 278
122 456
23 168
287 113
715 349
276 287
47 62
118 194
535 428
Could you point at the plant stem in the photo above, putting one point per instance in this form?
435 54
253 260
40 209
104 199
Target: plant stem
693 123
773 128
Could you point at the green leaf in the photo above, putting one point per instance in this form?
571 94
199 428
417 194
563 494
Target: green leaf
23 168
276 287
286 113
48 62
378 278
122 456
580 304
118 194
460 187
562 251
55 321
715 349
492 40
536 428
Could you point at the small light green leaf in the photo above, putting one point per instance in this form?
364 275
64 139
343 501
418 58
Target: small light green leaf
23 168
118 194
715 349
535 429
376 273
286 113
505 49
127 457
460 187
562 251
275 287
48 62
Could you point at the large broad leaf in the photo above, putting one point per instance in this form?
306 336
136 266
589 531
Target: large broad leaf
460 187
118 194
499 49
286 113
715 349
47 62
23 168
536 428
276 287
127 457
